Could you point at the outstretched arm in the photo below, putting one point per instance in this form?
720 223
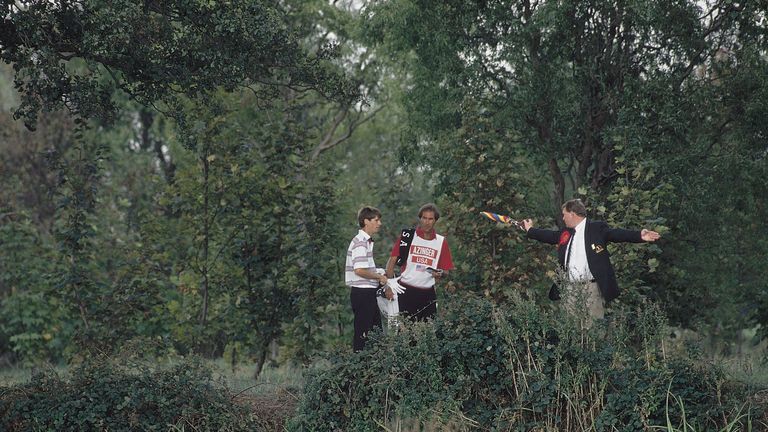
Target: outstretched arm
619 235
542 235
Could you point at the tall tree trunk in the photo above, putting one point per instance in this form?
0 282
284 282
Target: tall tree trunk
148 142
559 188
261 359
206 240
542 116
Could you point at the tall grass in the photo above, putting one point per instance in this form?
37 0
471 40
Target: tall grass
740 421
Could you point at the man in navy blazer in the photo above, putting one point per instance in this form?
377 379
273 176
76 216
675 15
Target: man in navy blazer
583 253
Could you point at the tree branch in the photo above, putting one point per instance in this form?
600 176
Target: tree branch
329 142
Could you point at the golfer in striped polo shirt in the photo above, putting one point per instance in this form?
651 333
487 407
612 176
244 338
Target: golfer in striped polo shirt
361 276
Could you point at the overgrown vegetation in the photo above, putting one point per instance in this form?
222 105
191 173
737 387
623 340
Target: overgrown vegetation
481 366
117 396
477 367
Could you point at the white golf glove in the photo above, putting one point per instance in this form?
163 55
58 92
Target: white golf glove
396 287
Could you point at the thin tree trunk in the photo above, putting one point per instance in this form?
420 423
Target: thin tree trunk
206 233
260 360
559 188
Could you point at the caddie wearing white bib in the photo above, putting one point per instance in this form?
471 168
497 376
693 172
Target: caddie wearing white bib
428 260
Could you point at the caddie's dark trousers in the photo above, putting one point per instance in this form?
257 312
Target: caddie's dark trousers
417 303
366 312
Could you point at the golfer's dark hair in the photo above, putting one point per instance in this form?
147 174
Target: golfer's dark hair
575 206
431 208
367 213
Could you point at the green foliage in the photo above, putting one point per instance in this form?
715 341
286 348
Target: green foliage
192 261
741 422
482 167
633 201
29 323
213 217
515 368
102 395
315 253
701 143
79 53
79 286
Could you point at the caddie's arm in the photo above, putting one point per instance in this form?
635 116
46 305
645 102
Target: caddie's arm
390 270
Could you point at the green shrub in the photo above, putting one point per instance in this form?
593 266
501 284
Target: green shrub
103 396
516 367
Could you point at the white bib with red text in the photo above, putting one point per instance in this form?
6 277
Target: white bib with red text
423 254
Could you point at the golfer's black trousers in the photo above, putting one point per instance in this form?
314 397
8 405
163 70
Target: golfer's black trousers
366 312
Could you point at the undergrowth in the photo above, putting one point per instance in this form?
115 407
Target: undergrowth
480 366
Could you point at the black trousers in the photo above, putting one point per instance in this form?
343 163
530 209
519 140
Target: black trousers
367 316
418 304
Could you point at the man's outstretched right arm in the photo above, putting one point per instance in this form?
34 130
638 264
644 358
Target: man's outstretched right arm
542 235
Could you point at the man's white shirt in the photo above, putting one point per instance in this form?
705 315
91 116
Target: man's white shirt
360 256
578 267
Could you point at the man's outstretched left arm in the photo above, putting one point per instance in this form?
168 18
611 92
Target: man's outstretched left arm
620 235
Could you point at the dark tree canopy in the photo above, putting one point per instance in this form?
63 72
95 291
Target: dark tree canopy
75 53
558 74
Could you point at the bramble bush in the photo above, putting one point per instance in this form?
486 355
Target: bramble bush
517 367
104 395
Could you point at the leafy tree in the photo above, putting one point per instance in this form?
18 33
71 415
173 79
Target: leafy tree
557 71
717 180
30 326
25 164
177 57
76 54
483 168
77 201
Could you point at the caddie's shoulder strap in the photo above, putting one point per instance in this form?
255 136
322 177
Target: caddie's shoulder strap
406 237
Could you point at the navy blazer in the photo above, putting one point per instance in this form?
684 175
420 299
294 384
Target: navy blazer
597 235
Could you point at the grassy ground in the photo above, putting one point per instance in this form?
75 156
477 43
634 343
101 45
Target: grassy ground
272 397
240 379
19 374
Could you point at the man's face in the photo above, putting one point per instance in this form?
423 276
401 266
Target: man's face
372 226
427 221
571 219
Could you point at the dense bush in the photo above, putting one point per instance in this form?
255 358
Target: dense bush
516 368
104 396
